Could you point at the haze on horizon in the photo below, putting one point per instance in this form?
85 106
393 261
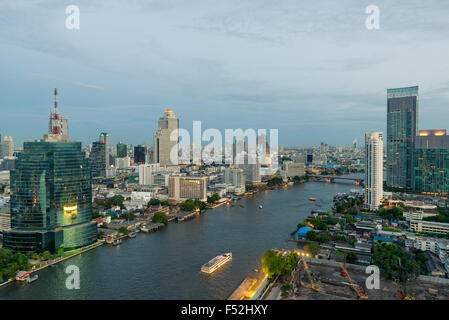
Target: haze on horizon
310 69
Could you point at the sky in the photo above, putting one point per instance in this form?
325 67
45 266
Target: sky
309 68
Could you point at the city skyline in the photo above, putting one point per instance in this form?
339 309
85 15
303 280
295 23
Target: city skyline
311 76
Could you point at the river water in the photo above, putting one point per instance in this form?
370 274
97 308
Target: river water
166 264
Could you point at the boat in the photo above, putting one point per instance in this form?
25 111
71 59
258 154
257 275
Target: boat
144 229
32 279
260 206
312 199
132 235
117 242
216 262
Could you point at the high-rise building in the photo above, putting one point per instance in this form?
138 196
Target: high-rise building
431 162
99 156
6 147
123 163
235 178
252 170
293 169
140 153
402 126
163 146
184 188
374 157
122 150
146 173
51 197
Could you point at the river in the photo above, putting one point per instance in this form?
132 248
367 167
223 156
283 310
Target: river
166 264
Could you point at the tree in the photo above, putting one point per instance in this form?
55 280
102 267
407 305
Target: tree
394 262
117 200
276 264
312 248
192 205
154 202
351 257
123 230
46 255
215 197
160 217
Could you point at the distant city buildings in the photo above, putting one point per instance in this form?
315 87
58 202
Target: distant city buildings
182 188
373 170
402 126
162 144
293 169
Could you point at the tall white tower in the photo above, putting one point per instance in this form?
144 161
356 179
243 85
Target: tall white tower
374 169
162 147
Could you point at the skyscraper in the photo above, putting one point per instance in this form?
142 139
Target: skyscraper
146 172
162 145
235 178
431 162
184 188
140 153
99 156
374 157
6 147
402 125
122 150
51 197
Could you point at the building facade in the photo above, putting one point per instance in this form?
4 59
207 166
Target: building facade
99 156
140 153
431 162
374 158
122 150
164 149
51 199
184 188
235 178
146 173
402 126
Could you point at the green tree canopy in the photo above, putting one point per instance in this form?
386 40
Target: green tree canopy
160 217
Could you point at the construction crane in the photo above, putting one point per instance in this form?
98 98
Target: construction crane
306 268
355 286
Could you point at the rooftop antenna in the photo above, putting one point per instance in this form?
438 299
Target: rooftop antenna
56 128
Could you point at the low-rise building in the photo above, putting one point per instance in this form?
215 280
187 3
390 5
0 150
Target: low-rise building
429 226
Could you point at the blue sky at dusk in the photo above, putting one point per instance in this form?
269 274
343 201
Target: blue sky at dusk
308 68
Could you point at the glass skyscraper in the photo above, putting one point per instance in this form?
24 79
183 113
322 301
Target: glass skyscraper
402 125
431 162
51 198
122 150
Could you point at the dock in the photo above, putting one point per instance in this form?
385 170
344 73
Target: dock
185 216
153 227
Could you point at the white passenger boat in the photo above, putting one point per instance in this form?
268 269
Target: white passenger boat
216 262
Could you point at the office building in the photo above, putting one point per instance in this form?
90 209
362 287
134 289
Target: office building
99 156
431 162
235 179
374 157
183 188
429 226
6 147
146 172
165 150
402 126
122 150
122 163
140 153
51 197
293 169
